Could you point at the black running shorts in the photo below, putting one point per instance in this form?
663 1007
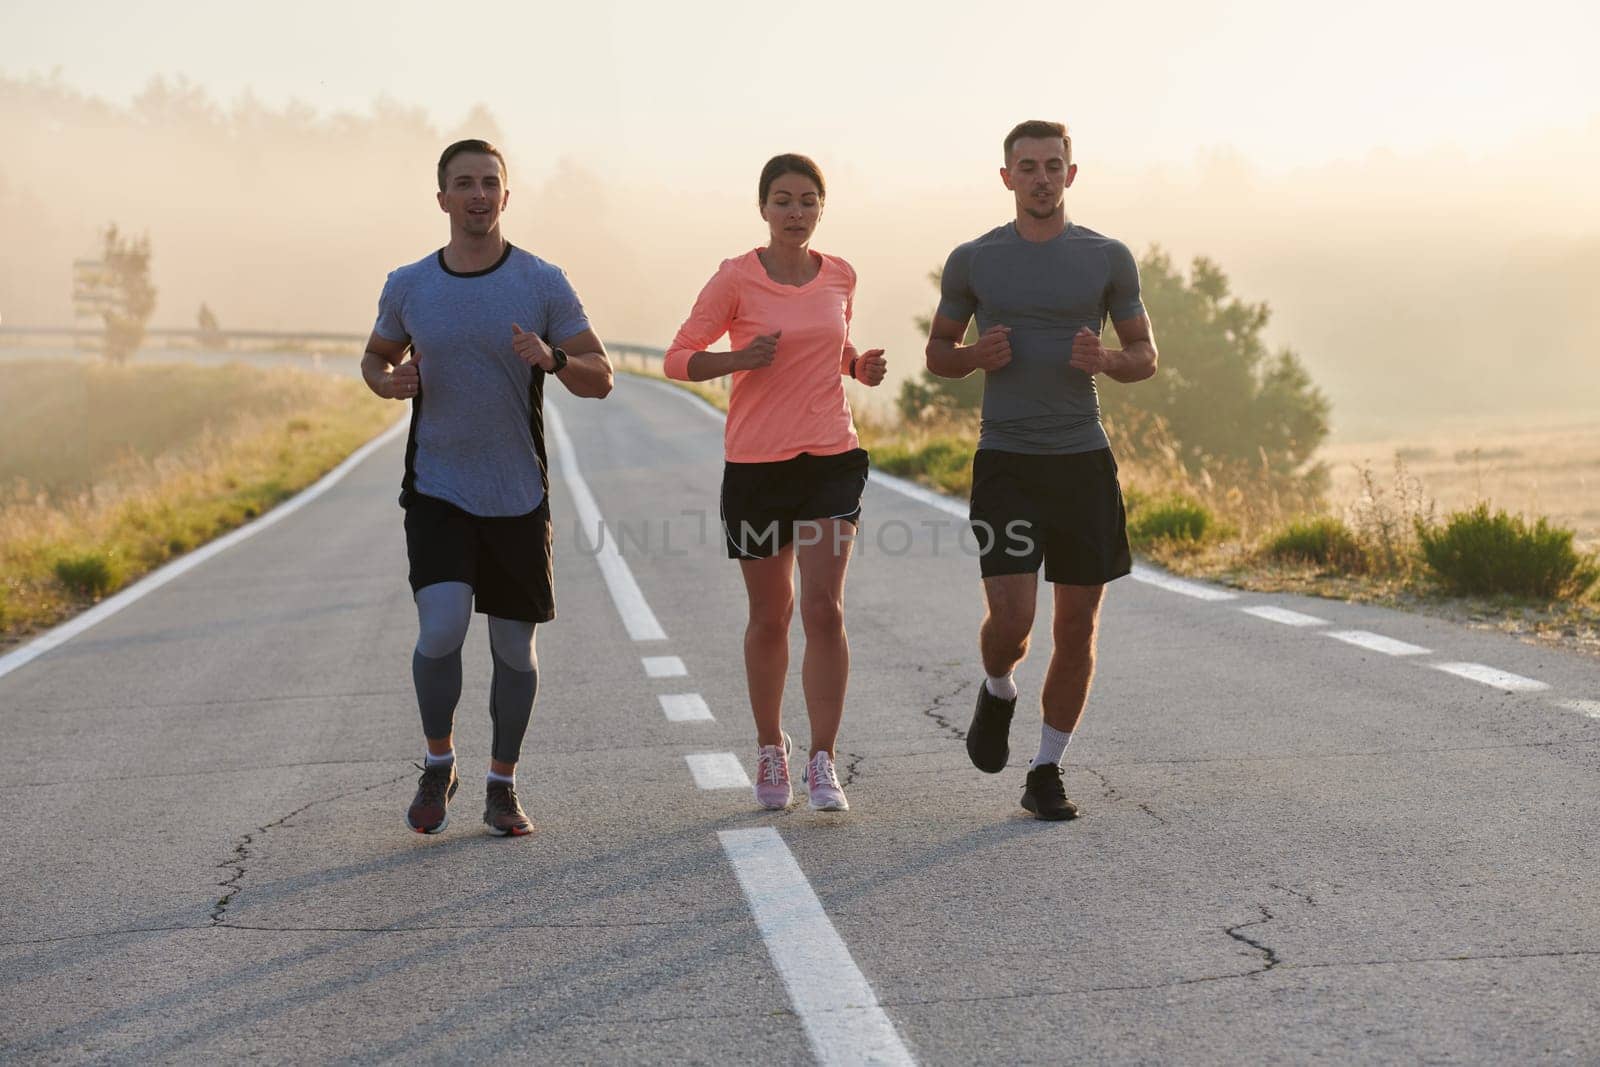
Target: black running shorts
505 560
762 502
1062 511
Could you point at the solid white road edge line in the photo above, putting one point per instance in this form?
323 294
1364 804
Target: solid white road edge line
717 770
1378 643
637 617
1284 615
1477 672
102 611
685 707
664 667
835 1003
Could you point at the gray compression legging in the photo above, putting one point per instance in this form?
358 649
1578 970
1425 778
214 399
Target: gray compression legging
444 611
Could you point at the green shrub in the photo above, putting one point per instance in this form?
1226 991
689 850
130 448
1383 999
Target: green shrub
1478 552
1324 541
1173 518
89 573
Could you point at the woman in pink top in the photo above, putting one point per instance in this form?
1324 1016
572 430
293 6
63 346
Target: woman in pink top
791 488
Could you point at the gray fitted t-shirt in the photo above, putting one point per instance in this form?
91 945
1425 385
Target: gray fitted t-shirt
477 427
1045 291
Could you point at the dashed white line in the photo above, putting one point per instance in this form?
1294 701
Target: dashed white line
685 707
1590 708
1198 591
179 567
1378 643
1477 672
1284 615
664 667
835 1003
717 770
636 615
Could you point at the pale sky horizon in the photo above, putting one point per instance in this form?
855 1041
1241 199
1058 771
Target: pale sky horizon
626 86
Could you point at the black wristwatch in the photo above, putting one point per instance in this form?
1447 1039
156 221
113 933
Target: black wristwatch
561 360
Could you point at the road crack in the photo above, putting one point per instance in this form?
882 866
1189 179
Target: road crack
1269 954
937 712
238 862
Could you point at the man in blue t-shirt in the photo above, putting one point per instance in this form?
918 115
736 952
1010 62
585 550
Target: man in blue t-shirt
485 324
1044 483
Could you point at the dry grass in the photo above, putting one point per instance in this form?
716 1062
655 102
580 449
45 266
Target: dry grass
1552 472
133 466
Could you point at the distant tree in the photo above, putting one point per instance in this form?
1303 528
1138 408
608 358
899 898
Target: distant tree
1220 393
116 289
210 330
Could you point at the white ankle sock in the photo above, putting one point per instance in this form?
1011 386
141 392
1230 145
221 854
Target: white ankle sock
1052 745
508 779
1004 687
430 760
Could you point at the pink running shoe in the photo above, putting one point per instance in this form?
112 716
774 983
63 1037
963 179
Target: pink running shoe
823 782
772 775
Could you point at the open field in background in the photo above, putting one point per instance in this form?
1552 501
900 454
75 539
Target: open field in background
107 472
1554 472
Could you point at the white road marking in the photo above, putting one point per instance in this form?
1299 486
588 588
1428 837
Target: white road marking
1590 708
835 1003
1284 615
664 667
1161 580
717 770
183 565
637 617
685 707
1477 672
1378 643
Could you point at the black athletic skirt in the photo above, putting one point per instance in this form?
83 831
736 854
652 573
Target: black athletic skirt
763 502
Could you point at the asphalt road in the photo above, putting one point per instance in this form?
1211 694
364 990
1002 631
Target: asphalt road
1294 847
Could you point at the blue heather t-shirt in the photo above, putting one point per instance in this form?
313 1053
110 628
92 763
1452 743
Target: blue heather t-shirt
1045 291
477 427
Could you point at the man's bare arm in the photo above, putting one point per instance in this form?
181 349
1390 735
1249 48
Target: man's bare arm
588 369
1133 362
949 358
383 372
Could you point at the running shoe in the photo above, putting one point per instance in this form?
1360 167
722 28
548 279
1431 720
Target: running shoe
1045 796
429 808
989 738
502 813
822 782
772 775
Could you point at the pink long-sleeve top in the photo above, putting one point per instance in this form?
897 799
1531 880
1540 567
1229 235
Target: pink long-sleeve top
795 404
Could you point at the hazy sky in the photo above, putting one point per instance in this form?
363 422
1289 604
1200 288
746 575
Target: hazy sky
1407 184
697 88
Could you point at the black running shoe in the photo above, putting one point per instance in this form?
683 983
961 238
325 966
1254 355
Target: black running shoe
989 738
428 811
1045 796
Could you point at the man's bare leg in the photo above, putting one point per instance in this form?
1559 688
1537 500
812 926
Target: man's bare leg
1002 642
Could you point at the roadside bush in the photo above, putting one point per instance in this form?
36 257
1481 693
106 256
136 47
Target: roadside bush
1324 541
1483 553
1173 518
944 463
90 573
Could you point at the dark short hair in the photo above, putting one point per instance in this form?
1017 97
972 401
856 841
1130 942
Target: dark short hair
1038 128
790 163
470 145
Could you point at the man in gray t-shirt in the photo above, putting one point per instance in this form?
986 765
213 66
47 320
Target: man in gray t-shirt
1044 483
486 325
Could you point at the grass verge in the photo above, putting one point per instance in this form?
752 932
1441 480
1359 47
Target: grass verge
116 495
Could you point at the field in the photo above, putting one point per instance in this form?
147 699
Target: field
1552 471
108 472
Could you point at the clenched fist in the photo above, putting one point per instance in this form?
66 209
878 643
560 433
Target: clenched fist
993 349
759 352
871 367
1088 354
401 383
531 349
